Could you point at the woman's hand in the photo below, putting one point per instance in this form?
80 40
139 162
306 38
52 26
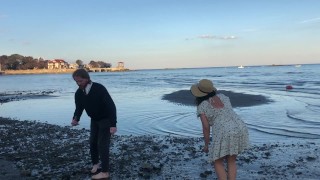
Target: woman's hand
205 149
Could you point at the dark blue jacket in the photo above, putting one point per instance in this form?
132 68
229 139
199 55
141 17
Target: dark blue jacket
98 104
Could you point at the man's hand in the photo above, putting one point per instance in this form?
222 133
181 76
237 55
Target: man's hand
113 130
74 122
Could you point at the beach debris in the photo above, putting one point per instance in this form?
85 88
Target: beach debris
289 87
205 174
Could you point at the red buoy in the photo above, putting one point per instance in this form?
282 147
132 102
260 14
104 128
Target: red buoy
289 87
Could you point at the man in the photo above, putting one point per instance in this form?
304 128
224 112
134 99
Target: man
95 99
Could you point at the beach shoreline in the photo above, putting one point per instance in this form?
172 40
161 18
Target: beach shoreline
46 151
53 71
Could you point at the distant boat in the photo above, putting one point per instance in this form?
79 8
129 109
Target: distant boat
241 66
298 65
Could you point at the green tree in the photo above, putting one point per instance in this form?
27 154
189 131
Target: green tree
19 62
94 64
3 62
79 62
104 64
42 64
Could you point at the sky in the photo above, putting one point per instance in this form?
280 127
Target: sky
156 34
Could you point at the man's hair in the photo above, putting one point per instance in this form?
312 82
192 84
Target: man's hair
81 73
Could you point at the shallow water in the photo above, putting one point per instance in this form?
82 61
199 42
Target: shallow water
141 110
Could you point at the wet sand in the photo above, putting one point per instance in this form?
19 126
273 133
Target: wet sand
44 151
184 97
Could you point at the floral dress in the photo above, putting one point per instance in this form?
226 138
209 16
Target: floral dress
230 133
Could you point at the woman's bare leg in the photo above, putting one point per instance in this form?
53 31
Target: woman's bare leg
232 167
220 170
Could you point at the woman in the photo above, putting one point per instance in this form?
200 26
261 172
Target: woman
230 134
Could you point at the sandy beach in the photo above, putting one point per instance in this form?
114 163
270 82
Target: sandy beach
33 150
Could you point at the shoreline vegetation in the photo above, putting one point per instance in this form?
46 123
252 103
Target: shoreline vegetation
33 150
18 64
57 71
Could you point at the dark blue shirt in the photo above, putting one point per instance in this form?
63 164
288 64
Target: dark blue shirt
98 104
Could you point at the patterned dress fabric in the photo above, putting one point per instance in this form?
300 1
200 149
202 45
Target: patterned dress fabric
229 133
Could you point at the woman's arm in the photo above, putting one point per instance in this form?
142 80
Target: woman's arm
206 131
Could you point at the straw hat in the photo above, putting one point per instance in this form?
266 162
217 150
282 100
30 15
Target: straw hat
203 88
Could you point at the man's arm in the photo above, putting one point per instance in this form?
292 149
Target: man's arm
111 107
79 109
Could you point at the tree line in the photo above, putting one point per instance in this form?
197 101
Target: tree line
19 62
95 64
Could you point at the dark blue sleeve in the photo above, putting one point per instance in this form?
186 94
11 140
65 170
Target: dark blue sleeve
111 108
79 106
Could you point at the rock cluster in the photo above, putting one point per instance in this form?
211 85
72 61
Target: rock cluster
22 95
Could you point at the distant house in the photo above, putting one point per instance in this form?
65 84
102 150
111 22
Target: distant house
73 66
57 64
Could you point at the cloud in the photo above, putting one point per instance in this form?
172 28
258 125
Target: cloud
211 37
217 37
189 39
313 20
206 37
229 37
